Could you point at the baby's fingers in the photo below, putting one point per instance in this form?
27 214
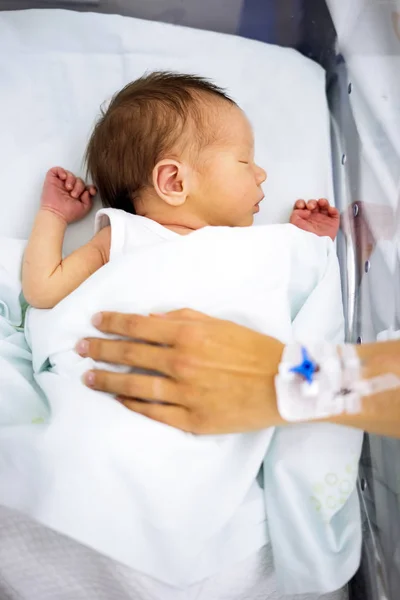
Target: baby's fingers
299 205
86 198
312 204
92 190
79 188
323 206
70 181
323 203
59 172
299 213
332 211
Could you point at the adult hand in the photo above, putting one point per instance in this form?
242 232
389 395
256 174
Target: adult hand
218 376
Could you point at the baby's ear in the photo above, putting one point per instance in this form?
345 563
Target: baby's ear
169 180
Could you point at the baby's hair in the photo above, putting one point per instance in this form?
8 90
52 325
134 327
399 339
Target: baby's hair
144 123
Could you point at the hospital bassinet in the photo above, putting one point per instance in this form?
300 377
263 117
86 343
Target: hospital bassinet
358 44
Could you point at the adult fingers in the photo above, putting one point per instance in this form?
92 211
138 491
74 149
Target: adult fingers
79 188
184 314
131 385
175 416
129 353
148 329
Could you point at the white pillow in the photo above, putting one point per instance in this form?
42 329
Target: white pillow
58 67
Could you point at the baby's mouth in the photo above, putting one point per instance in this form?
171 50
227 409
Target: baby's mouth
257 206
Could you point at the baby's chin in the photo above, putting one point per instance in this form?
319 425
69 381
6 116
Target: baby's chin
246 222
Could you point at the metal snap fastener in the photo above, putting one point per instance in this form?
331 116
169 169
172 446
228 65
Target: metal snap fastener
363 484
367 266
355 210
344 158
359 340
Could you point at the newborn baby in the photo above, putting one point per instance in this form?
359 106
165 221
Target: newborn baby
172 156
170 148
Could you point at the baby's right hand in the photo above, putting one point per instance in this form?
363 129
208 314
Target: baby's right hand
316 216
66 195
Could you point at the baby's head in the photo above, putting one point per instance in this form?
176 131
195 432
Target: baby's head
175 148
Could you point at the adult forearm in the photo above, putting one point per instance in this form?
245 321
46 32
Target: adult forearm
380 413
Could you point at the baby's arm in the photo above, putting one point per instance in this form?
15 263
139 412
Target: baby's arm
46 277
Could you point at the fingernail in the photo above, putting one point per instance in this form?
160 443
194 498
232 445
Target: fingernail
97 319
68 186
82 347
158 314
88 378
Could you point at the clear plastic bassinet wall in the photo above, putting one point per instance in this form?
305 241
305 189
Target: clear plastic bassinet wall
358 43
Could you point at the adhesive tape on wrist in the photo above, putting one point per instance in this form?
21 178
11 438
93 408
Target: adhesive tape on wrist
352 380
327 392
309 390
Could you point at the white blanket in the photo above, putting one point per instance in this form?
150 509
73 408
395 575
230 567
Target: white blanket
176 506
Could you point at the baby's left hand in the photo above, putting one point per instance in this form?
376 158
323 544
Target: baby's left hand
316 216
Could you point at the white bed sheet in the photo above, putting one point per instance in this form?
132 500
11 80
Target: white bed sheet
57 67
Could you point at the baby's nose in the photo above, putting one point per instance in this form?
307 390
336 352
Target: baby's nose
261 175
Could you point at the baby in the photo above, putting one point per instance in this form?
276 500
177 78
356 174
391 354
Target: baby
171 148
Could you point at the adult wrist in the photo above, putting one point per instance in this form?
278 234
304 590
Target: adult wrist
273 357
380 412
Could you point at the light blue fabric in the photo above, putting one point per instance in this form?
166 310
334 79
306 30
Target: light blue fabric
21 402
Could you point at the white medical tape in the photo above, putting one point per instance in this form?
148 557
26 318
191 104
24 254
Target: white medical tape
337 385
381 383
353 377
299 400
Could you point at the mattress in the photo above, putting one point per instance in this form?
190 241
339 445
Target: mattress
58 67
